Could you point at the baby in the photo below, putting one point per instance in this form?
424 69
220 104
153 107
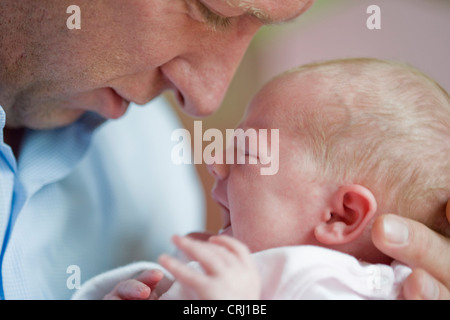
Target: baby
358 138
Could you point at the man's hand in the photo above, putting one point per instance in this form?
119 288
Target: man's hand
229 271
140 288
425 251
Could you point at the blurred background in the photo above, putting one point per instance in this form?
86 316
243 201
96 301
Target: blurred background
412 31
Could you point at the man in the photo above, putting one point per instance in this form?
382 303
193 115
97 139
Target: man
54 85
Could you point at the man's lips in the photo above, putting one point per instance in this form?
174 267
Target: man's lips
104 101
115 105
122 95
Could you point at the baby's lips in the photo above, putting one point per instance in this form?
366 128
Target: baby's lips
200 236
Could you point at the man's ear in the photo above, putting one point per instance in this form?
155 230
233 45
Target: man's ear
349 211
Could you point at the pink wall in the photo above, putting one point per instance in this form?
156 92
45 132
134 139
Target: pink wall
412 31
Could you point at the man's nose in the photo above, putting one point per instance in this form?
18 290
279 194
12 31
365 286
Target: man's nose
210 67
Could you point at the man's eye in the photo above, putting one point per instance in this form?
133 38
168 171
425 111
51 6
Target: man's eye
214 20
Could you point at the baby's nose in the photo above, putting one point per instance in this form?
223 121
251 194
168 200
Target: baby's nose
218 170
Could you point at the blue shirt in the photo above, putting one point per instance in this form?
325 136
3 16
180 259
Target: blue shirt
90 197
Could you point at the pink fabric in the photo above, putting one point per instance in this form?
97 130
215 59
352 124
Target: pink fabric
308 272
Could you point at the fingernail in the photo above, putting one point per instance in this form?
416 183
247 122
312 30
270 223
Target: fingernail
395 230
430 290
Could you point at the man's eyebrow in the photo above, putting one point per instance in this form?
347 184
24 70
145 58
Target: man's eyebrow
251 10
259 14
263 16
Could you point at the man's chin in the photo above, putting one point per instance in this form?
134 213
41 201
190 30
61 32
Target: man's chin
48 121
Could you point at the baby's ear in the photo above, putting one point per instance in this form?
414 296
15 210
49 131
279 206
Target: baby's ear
349 211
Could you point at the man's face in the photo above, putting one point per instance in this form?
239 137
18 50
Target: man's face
128 51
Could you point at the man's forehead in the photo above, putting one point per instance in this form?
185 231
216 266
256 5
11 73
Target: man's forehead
272 11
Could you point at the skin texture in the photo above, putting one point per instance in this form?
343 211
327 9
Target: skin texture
50 76
276 202
293 207
422 249
230 273
285 213
155 46
296 206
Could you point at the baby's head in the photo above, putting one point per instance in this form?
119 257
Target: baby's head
358 138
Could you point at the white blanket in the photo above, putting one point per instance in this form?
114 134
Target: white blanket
298 272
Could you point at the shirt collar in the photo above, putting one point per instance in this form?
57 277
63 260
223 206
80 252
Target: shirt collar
2 123
5 151
50 155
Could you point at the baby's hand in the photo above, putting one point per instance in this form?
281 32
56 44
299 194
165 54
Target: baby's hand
229 271
140 288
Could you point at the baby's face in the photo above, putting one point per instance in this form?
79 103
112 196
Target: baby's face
266 211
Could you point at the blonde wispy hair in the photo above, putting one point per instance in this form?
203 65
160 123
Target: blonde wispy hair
387 127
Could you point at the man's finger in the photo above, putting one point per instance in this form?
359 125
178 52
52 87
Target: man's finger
413 244
421 286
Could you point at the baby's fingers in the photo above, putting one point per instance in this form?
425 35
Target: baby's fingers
129 290
151 278
181 271
238 248
213 258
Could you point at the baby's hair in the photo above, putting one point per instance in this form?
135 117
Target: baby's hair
388 128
